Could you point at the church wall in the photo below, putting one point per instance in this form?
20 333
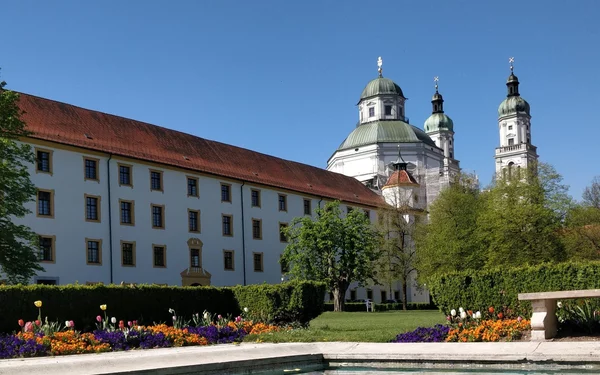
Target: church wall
70 229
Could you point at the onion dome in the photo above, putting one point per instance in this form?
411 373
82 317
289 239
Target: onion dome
514 103
438 119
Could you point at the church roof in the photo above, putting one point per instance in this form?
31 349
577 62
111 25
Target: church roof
438 121
400 178
75 126
513 105
381 86
385 131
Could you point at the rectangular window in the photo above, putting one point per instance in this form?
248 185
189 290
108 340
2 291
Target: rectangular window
282 236
158 216
511 141
370 294
128 254
92 208
228 264
255 197
44 161
125 175
371 111
307 208
397 295
227 225
194 221
156 180
127 212
353 295
225 193
195 258
160 256
46 249
45 203
510 127
368 214
383 295
282 202
94 251
91 169
388 110
258 262
192 186
284 267
257 229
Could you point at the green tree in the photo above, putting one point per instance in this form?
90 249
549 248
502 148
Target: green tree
18 244
447 241
333 249
581 235
591 194
397 258
521 217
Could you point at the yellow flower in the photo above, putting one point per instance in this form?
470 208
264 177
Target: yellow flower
102 307
38 304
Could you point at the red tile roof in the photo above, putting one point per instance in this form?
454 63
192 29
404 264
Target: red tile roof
67 124
400 177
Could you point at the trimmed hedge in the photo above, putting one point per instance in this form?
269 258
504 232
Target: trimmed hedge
286 302
478 290
361 307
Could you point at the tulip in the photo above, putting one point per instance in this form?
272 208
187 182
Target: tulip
113 320
206 316
67 323
463 315
491 309
28 327
38 304
38 323
477 315
71 323
103 307
519 319
219 316
135 323
453 312
121 324
245 309
500 315
21 322
559 304
174 318
448 318
129 323
99 318
461 310
238 319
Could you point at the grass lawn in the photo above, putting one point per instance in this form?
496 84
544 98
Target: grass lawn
355 326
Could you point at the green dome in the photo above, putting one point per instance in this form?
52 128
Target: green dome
385 132
381 86
513 105
438 121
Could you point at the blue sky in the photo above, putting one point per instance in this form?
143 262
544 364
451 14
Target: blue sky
283 77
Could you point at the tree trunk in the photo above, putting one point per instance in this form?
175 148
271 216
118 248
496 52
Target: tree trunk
404 293
339 291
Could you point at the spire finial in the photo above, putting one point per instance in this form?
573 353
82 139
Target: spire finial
379 64
399 163
436 79
511 61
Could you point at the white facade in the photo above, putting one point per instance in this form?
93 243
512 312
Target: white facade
70 230
516 150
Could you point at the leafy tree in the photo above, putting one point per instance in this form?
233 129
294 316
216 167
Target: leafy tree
521 217
18 244
332 249
396 225
447 241
581 235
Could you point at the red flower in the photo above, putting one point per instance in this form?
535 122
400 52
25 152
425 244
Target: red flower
21 322
500 315
38 323
491 309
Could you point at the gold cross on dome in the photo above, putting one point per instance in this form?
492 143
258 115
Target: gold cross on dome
379 64
511 60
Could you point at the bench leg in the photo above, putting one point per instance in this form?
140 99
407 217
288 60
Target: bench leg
544 323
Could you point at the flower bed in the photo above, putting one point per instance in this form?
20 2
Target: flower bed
467 326
37 339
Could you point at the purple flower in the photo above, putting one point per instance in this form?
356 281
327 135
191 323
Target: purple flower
437 333
12 346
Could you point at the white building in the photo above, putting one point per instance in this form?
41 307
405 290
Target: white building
514 124
369 152
125 201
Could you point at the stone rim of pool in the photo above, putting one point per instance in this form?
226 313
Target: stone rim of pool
255 358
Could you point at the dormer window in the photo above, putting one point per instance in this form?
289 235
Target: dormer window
371 111
388 110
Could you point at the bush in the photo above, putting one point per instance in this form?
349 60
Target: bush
149 304
361 306
477 290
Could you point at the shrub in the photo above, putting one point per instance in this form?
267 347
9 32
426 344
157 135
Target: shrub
151 303
360 306
500 287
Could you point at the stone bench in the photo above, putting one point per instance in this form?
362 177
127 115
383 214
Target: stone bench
544 323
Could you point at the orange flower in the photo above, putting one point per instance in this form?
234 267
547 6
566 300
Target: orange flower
491 309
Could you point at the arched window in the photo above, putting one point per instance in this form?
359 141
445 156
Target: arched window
510 167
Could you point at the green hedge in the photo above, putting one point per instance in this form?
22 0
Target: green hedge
286 302
478 290
360 306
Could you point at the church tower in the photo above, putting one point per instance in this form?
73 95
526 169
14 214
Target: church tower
440 128
514 124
